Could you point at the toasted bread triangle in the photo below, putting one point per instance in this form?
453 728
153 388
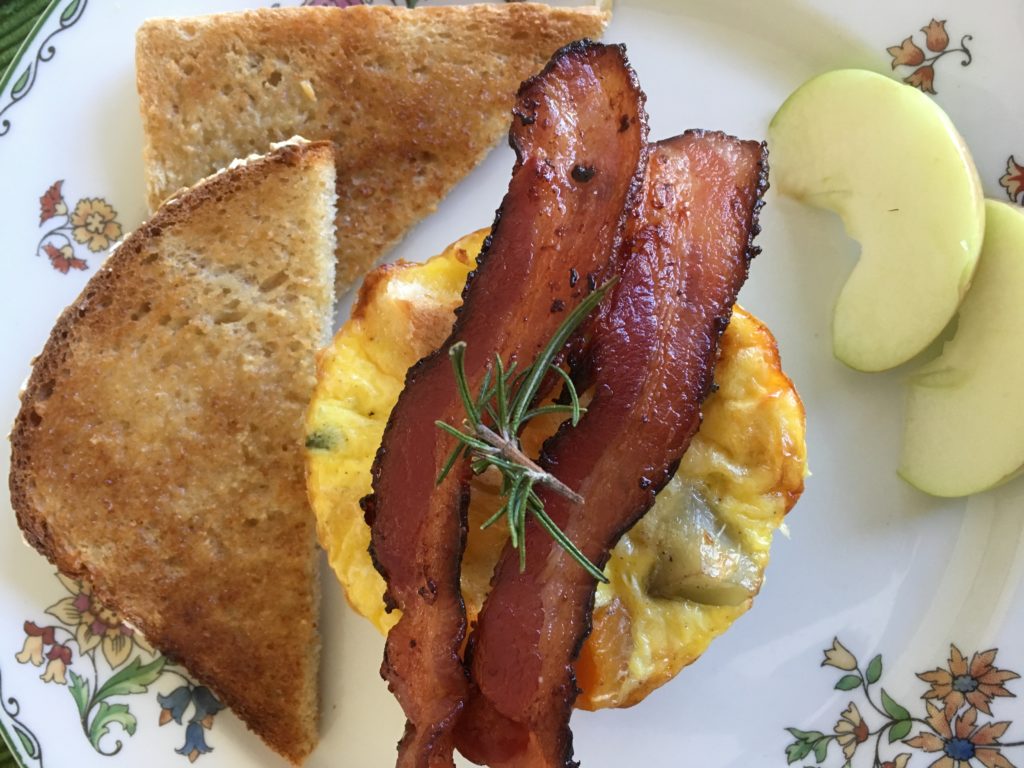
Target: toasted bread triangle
158 452
413 99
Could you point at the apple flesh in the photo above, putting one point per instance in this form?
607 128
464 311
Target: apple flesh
888 160
965 422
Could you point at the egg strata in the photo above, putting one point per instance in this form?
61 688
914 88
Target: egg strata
676 580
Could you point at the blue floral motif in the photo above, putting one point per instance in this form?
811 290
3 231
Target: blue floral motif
195 743
174 704
204 705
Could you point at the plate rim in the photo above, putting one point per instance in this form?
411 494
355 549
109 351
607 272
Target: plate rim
7 78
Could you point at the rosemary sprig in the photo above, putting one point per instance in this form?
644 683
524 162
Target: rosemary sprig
496 416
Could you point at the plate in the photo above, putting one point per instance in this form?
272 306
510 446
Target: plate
891 583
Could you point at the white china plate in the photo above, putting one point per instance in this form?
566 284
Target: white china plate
886 569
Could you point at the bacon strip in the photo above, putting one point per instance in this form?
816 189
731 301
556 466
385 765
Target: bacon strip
652 358
579 132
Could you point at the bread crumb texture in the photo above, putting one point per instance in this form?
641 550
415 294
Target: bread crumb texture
413 99
158 450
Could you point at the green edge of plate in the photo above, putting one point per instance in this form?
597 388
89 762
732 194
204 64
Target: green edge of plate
23 48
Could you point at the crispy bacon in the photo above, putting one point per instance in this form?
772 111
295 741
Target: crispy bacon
651 362
579 132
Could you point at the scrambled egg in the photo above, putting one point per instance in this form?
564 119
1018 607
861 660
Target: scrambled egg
677 580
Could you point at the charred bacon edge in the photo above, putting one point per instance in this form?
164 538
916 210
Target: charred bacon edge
439 355
721 323
369 503
577 47
718 325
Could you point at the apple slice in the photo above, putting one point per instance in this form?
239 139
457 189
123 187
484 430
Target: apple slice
965 423
888 160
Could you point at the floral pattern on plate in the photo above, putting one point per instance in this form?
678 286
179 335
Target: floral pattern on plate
69 649
1013 180
949 734
936 40
91 223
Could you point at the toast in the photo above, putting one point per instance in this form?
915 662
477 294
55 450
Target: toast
413 99
158 452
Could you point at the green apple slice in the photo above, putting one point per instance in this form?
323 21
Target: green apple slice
888 160
965 422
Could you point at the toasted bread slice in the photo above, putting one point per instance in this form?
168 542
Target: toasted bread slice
413 99
158 452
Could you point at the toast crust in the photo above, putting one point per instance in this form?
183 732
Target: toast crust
414 99
143 428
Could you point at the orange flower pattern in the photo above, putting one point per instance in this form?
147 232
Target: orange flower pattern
976 683
63 259
936 40
935 35
906 54
52 203
92 223
95 224
923 78
949 734
960 741
1013 180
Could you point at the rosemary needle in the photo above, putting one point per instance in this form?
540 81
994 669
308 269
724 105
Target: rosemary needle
496 416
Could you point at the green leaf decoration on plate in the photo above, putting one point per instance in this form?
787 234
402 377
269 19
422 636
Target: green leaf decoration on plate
79 690
874 671
900 730
135 678
894 710
27 743
848 683
41 51
107 715
20 83
70 11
